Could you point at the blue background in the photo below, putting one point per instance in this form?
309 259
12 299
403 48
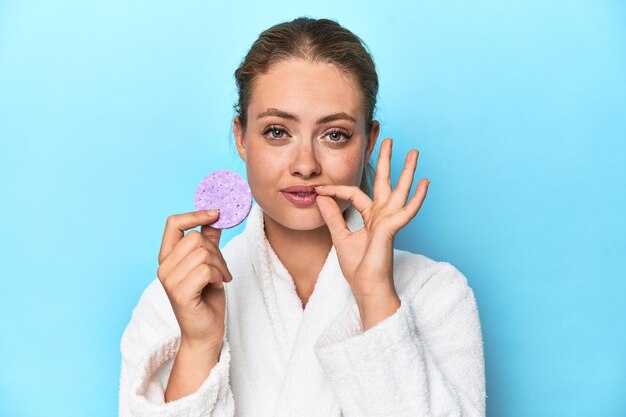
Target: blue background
111 112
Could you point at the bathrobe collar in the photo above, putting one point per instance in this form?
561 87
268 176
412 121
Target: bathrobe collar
296 330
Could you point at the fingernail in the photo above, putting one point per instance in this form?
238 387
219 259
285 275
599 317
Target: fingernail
212 212
428 183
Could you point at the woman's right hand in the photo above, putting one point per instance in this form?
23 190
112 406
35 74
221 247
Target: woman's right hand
192 271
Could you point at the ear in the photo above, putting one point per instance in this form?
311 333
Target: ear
372 140
239 141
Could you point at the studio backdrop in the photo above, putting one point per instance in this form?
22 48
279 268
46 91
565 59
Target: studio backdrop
111 112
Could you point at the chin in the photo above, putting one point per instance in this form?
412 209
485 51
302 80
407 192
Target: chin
310 220
295 218
291 217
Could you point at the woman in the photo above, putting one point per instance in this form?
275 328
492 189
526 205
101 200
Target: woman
310 311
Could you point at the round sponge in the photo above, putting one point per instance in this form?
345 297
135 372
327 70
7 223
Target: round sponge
227 191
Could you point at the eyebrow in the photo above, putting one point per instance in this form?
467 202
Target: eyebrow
331 117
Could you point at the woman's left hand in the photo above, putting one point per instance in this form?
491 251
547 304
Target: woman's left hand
366 256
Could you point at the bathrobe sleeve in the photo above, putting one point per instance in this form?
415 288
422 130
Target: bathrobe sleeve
425 360
149 346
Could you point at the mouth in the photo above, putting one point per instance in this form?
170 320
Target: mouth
300 198
300 189
299 193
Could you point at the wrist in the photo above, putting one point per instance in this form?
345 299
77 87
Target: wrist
200 349
192 366
373 310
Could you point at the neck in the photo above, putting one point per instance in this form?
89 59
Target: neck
302 252
287 243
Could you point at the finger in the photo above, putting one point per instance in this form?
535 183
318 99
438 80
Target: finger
198 257
176 225
382 183
405 215
212 233
334 219
193 285
355 195
194 248
400 194
190 242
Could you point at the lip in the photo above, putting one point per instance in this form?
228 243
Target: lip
300 189
300 200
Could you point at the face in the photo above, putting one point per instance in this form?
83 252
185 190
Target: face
288 143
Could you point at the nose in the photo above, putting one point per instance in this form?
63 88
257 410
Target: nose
305 163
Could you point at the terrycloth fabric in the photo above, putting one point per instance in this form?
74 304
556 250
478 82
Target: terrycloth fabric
280 360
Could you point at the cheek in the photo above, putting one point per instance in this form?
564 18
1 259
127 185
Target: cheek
345 168
262 165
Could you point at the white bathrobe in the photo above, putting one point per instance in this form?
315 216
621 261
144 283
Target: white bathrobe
279 360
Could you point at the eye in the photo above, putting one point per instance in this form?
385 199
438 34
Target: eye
335 135
272 130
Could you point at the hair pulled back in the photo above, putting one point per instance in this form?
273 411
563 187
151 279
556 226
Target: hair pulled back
314 40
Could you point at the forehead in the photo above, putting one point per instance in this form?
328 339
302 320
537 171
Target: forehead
307 89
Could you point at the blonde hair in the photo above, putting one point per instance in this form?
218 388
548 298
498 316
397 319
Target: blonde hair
315 40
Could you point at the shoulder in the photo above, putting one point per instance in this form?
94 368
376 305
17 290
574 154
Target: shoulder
235 251
416 275
154 307
438 293
234 246
152 319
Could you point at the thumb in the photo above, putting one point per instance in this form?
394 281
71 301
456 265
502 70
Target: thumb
212 233
330 211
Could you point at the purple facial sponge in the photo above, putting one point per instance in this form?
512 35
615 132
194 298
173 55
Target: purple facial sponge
227 191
